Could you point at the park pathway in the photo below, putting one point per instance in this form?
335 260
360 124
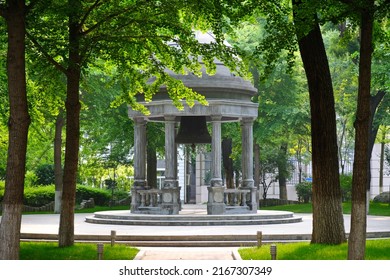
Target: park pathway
176 253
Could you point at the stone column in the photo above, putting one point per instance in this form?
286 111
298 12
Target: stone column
171 190
216 204
216 152
140 152
247 161
170 149
139 162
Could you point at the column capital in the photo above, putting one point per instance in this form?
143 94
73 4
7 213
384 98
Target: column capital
216 118
169 118
139 120
247 120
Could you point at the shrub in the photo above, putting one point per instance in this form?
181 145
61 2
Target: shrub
38 196
30 179
45 174
304 191
346 187
41 195
101 197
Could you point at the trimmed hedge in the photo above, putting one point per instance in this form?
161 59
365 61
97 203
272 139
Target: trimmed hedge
42 195
38 196
101 196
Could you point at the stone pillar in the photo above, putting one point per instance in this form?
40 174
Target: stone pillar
216 152
171 190
139 161
139 152
216 204
247 161
170 149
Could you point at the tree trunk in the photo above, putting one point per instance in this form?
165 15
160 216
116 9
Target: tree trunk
72 105
373 132
328 223
228 162
282 170
151 166
58 162
18 124
357 237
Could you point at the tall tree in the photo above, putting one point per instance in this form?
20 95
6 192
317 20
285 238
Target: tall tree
134 35
360 179
328 223
14 13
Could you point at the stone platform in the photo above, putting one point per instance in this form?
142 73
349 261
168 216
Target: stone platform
192 216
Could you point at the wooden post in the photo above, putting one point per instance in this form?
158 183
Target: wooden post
259 238
100 251
113 237
273 251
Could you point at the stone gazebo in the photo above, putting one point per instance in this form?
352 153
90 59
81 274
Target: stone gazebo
229 99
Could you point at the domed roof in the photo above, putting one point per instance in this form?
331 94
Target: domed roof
228 95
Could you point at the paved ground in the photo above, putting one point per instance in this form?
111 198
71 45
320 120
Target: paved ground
43 223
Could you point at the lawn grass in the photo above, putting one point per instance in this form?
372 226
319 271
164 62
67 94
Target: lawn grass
375 250
378 209
79 251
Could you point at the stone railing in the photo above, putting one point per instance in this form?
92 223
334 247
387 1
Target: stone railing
166 201
236 197
240 201
155 201
231 201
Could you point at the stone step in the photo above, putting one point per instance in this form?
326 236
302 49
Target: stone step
191 222
263 215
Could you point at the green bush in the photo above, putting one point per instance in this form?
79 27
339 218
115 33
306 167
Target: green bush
346 187
304 191
30 179
45 174
101 197
41 195
38 196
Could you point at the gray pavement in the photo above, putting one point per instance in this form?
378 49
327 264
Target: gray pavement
48 224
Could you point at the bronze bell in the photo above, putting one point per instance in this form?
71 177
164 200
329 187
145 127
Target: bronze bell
193 130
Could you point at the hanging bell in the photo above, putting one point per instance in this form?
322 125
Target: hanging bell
193 130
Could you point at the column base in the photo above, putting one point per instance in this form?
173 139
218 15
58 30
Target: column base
216 204
171 204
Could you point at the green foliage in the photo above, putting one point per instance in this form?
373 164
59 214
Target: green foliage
45 175
41 195
100 196
346 187
30 179
304 191
38 196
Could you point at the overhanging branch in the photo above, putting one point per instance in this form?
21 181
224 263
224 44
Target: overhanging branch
57 65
